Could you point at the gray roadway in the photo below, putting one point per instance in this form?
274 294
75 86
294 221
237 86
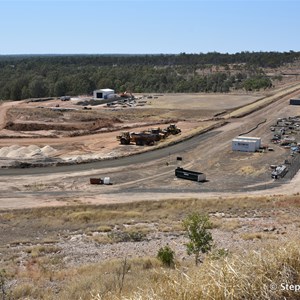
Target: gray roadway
117 162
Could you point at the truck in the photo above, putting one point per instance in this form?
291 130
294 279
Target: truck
144 138
148 137
279 171
140 138
65 98
105 181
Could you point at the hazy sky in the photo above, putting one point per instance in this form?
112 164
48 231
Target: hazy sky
145 26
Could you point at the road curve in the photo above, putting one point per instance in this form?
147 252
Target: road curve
117 162
136 158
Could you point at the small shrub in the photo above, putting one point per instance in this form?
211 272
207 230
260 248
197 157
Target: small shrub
166 256
121 236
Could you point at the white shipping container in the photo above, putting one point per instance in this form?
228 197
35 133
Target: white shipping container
244 145
250 138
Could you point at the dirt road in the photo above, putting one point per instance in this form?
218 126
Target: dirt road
4 107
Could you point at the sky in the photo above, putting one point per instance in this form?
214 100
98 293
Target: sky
148 26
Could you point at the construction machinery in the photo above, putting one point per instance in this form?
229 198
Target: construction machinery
140 138
126 95
173 129
148 137
279 171
124 138
144 138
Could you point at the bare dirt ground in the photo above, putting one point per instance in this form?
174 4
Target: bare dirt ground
84 134
211 154
80 134
50 247
55 220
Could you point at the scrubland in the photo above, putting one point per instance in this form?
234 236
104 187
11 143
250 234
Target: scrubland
109 251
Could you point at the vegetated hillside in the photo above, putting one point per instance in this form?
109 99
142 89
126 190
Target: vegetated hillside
26 76
110 251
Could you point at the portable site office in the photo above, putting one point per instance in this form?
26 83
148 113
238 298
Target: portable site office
246 144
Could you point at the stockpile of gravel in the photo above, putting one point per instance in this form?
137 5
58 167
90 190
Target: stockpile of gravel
31 151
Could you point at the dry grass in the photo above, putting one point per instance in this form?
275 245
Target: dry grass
258 235
166 213
170 226
144 229
256 275
250 170
262 102
226 224
102 239
33 114
104 228
106 279
41 250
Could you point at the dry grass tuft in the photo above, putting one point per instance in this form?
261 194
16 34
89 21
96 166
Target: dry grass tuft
41 250
258 235
250 170
226 224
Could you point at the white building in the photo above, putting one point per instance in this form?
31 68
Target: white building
246 144
103 93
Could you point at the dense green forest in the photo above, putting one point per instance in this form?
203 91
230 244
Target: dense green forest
34 76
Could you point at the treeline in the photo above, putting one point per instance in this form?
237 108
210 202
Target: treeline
26 76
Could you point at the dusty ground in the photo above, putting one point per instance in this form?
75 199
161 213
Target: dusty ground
92 133
212 155
69 228
51 247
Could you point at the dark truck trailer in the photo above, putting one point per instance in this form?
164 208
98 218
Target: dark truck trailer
190 175
294 101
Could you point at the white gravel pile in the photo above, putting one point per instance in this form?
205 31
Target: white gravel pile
86 157
31 151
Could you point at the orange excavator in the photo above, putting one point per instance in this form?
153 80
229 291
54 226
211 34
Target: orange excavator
126 95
